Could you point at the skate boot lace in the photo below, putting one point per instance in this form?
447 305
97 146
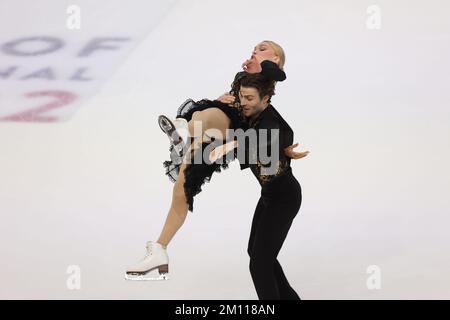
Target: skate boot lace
149 250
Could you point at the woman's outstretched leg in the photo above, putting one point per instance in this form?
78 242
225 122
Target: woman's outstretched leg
157 257
177 212
212 118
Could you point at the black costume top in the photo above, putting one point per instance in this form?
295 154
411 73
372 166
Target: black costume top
268 119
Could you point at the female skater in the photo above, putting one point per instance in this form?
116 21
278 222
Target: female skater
218 114
281 194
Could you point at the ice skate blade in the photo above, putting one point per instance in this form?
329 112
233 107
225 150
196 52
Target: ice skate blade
144 277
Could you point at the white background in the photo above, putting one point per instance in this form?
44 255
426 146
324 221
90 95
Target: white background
372 106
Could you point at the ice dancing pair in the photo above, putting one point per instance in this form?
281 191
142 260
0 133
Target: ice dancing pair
247 106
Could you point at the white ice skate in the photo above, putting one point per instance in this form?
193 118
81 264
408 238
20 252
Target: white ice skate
155 259
177 131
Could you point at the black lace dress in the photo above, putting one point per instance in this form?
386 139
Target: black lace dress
196 174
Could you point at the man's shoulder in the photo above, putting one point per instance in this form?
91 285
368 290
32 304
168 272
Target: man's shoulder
270 119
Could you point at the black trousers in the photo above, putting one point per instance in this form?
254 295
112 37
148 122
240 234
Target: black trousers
276 209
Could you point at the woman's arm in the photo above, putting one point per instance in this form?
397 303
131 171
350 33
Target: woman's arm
221 150
227 98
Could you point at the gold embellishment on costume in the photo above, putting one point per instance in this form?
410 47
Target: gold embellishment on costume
263 178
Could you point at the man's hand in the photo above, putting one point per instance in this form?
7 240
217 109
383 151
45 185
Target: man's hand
289 151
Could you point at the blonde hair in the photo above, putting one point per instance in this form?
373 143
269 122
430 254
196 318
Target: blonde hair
279 52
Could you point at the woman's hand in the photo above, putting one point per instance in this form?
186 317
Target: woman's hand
252 65
219 151
226 98
289 151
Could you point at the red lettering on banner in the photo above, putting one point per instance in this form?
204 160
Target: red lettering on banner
34 115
